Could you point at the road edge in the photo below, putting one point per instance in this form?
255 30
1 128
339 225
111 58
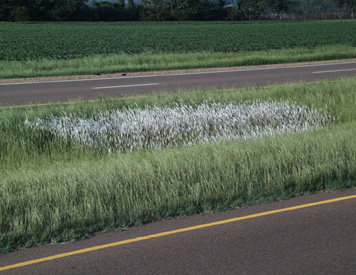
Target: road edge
248 67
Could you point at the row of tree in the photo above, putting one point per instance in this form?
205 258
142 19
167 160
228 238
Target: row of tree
168 10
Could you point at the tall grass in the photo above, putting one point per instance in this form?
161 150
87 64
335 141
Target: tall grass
148 61
71 201
52 190
182 125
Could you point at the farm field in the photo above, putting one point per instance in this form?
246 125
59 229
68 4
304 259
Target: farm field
42 49
64 175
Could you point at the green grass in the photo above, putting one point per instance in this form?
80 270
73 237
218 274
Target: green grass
47 49
126 63
51 190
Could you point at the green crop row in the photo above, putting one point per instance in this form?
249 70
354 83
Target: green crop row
35 41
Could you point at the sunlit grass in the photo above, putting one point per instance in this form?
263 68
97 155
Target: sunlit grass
148 61
53 189
182 124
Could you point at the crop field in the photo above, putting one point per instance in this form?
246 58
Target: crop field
143 45
74 40
68 171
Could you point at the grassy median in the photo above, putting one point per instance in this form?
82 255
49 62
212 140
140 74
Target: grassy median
53 189
149 61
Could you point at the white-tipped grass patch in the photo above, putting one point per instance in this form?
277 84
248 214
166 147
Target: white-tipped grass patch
181 124
54 188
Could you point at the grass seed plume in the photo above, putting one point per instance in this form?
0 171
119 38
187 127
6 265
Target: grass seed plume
183 125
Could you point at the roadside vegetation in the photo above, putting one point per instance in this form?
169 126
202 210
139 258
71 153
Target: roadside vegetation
49 49
56 187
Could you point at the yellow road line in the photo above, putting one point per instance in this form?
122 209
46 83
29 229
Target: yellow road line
138 239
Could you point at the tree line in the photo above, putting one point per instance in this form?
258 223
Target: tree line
172 10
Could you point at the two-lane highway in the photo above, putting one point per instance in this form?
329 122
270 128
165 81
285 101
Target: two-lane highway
16 93
304 235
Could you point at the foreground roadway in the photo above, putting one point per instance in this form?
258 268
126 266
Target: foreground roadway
17 93
314 234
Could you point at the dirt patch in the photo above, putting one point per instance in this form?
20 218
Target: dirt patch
75 77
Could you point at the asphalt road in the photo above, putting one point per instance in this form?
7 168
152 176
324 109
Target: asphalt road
315 239
64 90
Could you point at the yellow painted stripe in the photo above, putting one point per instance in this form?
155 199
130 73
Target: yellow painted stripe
138 239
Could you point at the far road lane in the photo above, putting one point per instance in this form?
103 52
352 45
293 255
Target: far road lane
18 93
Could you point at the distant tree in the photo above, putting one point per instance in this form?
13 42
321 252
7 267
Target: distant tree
281 5
252 10
159 10
178 9
73 10
351 4
39 10
219 12
155 10
195 9
132 11
207 10
14 10
311 8
108 11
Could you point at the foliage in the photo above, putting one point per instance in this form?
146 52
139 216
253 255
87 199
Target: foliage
52 190
43 10
21 41
182 124
163 10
